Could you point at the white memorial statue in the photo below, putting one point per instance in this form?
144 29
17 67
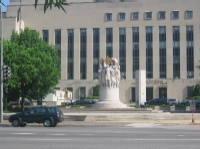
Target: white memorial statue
109 72
109 79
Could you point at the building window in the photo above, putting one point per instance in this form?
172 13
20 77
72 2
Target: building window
121 16
108 16
83 53
96 49
149 52
122 51
190 52
189 14
58 43
176 52
45 34
162 51
148 15
70 70
161 15
135 35
135 16
175 14
82 91
133 94
190 91
163 92
109 42
149 93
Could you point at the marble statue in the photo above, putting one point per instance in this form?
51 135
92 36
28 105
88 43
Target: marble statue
109 72
109 79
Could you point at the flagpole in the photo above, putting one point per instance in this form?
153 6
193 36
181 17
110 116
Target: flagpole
20 16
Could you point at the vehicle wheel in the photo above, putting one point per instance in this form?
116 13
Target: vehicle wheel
55 124
15 123
23 125
47 123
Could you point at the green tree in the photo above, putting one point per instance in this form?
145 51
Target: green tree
49 3
197 90
34 64
96 90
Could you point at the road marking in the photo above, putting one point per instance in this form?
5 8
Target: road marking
48 139
143 125
181 135
86 134
58 134
22 133
187 139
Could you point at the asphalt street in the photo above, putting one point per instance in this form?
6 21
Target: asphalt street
127 137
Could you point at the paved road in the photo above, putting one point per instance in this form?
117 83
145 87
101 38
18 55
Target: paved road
127 137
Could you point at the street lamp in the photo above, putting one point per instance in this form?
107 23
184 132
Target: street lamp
1 80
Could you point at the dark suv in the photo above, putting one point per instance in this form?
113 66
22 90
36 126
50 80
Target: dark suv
49 116
157 101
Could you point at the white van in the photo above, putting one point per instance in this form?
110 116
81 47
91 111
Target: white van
173 101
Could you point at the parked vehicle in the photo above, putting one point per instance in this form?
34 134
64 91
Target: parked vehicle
157 101
26 102
84 102
173 101
49 116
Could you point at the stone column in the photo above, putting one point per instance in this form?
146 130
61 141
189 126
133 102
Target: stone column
140 89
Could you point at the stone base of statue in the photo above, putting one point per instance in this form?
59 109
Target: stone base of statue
109 98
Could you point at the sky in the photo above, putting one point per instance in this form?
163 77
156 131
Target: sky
6 2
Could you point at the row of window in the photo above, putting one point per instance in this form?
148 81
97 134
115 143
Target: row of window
149 92
148 15
122 51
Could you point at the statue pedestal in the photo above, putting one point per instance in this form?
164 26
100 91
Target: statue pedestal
109 98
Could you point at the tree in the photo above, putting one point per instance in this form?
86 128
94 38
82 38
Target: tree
197 90
96 90
49 3
34 64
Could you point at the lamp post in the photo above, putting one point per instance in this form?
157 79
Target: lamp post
1 80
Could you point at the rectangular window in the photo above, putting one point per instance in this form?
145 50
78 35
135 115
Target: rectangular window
109 42
108 16
45 34
135 16
83 54
190 52
162 51
189 14
175 14
148 15
190 91
122 51
149 52
70 70
161 14
176 52
121 16
58 43
96 49
82 93
149 93
135 36
133 94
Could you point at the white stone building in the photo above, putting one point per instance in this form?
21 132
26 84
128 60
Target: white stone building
159 36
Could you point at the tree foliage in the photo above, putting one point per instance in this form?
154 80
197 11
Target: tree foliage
49 3
34 64
197 90
96 90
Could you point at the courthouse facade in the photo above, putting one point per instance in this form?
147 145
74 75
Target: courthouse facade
159 36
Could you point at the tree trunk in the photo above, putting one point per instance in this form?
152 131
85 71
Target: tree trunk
22 106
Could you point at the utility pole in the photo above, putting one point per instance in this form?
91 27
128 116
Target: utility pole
1 80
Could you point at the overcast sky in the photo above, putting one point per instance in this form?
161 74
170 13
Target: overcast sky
6 2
